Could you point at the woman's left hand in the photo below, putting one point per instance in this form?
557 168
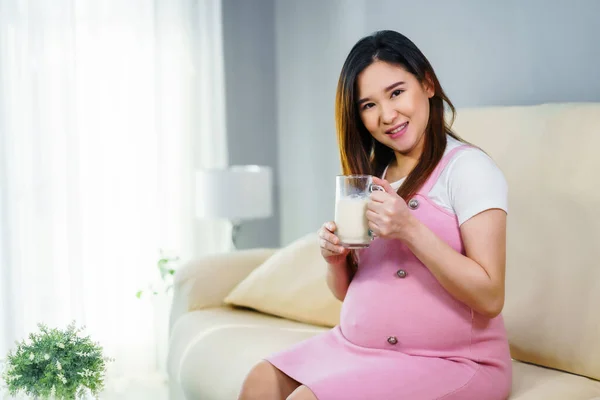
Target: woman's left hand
387 213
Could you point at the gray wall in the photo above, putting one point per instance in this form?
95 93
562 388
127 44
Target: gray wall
312 40
511 52
485 53
283 57
251 112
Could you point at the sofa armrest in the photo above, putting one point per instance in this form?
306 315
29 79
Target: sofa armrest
205 282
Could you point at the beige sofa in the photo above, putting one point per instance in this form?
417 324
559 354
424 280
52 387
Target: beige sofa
550 155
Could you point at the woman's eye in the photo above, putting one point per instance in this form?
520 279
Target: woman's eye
367 106
397 92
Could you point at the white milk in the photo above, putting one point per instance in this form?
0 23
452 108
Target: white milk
351 220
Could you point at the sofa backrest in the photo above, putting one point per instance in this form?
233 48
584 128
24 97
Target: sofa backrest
550 155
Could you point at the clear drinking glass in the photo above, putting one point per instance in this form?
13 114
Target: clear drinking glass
352 194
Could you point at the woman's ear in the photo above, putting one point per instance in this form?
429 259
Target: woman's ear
428 86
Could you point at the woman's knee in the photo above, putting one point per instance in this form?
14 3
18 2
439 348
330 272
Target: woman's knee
264 381
302 393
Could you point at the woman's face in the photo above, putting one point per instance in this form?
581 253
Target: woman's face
394 106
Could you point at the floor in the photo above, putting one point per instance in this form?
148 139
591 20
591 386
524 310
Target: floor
147 392
150 388
158 392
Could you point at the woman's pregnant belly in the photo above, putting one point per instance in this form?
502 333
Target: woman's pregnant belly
402 307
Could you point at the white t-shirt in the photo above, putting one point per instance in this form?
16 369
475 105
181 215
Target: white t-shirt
469 184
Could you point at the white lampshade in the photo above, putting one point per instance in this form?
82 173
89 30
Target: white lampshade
235 193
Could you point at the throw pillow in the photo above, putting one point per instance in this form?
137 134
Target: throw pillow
291 284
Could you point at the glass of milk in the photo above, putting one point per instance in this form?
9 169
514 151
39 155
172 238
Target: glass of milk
352 194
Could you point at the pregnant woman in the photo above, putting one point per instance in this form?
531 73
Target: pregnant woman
421 316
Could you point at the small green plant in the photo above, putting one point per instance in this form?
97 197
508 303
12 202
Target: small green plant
166 272
56 364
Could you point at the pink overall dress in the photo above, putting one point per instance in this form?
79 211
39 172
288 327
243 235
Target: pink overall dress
401 335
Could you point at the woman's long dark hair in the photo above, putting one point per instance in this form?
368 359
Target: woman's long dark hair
359 152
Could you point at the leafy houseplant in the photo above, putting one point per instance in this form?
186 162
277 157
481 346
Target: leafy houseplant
166 270
162 284
56 364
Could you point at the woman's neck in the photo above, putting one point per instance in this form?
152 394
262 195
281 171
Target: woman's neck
400 167
404 163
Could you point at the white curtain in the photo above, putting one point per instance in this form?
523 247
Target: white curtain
106 108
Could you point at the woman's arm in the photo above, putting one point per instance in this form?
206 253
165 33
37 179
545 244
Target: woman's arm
338 271
476 279
338 279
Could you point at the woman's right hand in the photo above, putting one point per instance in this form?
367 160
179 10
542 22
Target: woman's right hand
331 250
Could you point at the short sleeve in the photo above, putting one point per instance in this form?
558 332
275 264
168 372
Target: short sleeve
475 184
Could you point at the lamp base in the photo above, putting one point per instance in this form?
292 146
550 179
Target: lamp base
235 228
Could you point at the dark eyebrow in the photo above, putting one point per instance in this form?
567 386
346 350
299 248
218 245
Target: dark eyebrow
387 89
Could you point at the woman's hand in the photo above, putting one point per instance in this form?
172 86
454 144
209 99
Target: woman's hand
331 250
387 213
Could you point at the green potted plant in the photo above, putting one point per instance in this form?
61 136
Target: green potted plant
166 270
159 293
55 364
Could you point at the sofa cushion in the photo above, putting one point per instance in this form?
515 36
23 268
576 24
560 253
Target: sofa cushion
291 284
548 154
212 350
531 382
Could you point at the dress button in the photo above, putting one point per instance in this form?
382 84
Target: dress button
392 340
401 273
413 204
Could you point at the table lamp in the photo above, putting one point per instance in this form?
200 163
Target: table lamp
236 193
